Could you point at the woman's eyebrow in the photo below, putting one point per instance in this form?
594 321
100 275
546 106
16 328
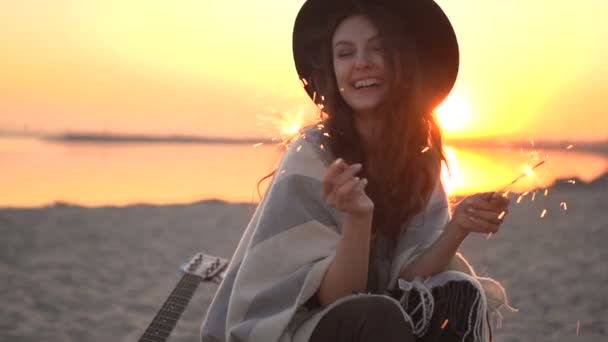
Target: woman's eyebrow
347 42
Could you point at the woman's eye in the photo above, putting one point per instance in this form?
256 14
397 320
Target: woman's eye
344 53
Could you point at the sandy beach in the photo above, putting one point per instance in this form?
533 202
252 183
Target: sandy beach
72 273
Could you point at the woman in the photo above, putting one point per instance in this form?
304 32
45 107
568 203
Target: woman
353 240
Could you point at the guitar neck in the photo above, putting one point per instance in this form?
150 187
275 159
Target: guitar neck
168 315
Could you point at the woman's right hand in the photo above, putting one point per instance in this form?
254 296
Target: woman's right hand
345 191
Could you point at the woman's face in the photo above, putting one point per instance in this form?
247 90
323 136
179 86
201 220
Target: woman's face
358 59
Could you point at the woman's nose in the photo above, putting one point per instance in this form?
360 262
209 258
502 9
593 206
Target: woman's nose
363 62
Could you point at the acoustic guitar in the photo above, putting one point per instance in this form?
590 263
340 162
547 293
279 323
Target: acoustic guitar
201 268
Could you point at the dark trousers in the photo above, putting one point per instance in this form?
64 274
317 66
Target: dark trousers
380 319
366 318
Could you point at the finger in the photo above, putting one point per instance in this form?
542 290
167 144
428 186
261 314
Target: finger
361 185
337 167
481 204
488 216
482 226
346 175
344 191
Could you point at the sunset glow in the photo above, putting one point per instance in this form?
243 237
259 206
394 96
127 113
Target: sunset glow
202 67
454 114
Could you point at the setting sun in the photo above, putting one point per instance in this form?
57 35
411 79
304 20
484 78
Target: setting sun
454 114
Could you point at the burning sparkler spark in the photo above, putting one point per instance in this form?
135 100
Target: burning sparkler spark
543 214
425 149
569 147
564 205
502 215
527 172
546 192
258 144
445 324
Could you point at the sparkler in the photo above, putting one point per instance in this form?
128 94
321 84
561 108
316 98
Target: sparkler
526 173
445 323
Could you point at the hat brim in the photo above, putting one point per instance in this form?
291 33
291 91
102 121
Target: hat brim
434 36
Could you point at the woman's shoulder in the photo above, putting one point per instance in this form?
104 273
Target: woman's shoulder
310 145
305 155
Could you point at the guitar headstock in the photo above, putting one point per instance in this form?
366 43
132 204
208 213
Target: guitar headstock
207 267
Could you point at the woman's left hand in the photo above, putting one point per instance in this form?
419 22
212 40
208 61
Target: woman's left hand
480 213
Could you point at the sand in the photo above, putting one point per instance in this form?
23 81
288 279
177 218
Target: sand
72 273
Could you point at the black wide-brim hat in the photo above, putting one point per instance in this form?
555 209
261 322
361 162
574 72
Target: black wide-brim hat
435 40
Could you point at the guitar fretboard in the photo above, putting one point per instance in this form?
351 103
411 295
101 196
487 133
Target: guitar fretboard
168 315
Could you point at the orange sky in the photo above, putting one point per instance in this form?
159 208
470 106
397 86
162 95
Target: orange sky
530 68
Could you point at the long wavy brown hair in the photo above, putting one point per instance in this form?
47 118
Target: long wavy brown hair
408 167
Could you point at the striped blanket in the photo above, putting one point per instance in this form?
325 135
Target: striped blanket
288 246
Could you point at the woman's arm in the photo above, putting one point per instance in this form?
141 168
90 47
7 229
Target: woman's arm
481 213
435 258
348 271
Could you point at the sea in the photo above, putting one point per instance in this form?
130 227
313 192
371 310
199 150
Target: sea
36 172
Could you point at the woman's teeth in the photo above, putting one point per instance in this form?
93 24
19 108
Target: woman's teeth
366 83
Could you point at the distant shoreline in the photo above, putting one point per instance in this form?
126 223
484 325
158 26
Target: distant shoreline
596 147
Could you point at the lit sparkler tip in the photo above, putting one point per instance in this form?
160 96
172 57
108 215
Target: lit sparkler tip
425 149
502 214
445 324
322 147
326 134
322 98
299 148
543 214
564 205
258 144
569 147
533 196
546 192
519 199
